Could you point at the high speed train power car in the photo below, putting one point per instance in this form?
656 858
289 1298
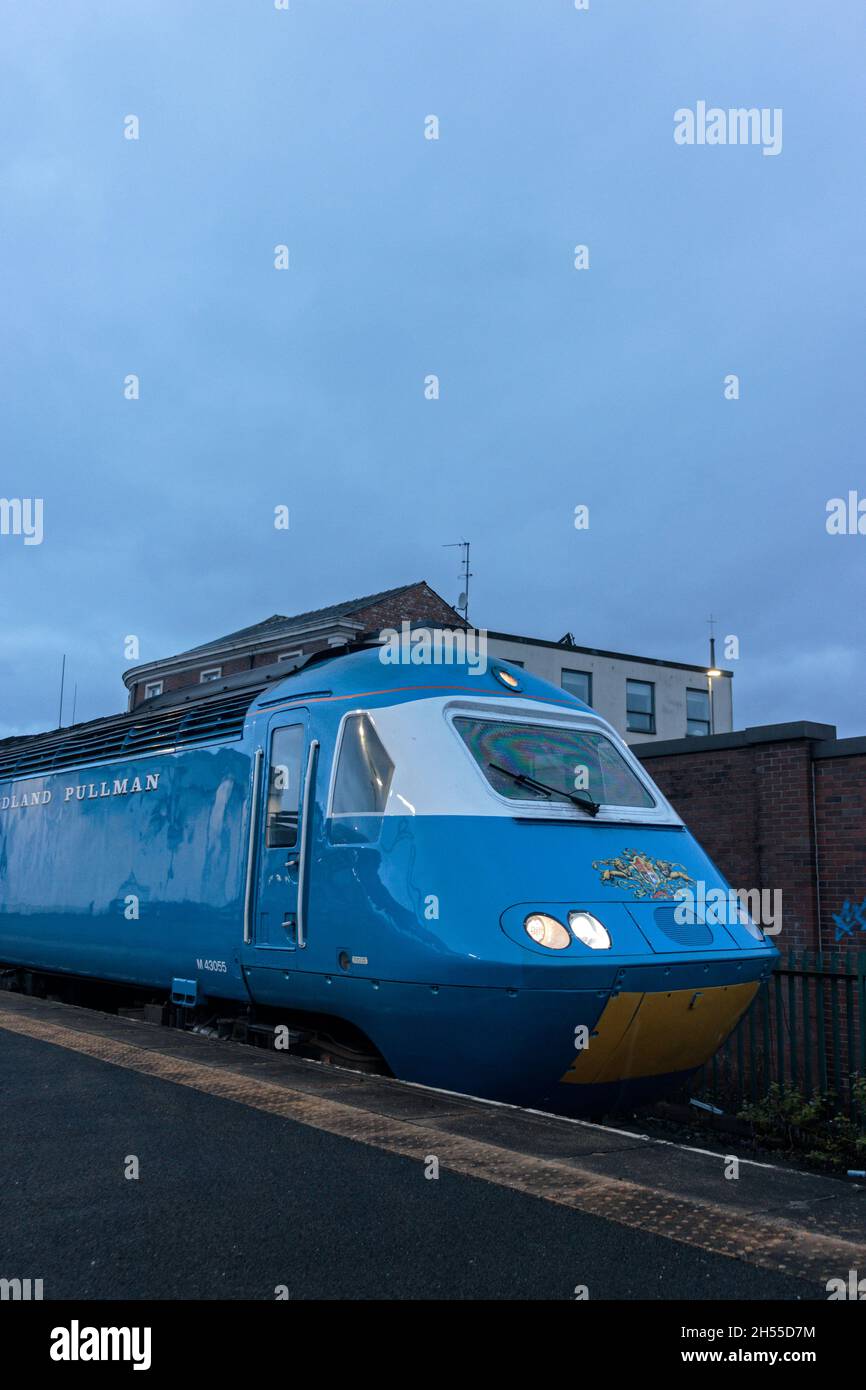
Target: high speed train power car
461 873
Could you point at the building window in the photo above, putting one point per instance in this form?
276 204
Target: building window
640 707
578 683
152 689
212 673
698 712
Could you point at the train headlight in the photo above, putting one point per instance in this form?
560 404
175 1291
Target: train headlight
589 930
546 931
505 678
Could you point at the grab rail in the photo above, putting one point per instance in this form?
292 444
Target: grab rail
251 846
305 835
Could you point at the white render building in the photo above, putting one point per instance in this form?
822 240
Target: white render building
644 698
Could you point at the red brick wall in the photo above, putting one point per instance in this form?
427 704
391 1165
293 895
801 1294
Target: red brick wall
419 604
840 798
715 795
748 798
781 811
182 679
785 837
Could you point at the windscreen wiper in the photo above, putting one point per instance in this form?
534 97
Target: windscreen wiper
584 801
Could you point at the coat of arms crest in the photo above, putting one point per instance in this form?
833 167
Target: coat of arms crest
647 877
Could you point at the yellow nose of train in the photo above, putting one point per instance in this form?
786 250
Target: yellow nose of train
642 1034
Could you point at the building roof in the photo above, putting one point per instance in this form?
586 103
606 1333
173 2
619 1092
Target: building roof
565 646
273 626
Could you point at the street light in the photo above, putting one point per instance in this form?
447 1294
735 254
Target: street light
713 671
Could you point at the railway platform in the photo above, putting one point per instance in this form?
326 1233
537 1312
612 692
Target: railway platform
145 1163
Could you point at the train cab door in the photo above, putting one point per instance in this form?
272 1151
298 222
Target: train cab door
287 771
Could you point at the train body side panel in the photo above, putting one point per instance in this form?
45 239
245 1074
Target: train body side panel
133 871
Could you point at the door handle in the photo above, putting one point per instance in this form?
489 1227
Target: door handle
293 862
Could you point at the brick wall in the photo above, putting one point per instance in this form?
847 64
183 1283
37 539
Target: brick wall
182 679
840 800
418 604
748 798
785 807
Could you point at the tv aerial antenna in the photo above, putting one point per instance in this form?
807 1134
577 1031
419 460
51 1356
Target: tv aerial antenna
462 604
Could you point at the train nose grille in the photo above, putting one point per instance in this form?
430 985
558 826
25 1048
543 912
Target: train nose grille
683 933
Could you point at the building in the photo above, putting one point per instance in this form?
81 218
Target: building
643 697
281 638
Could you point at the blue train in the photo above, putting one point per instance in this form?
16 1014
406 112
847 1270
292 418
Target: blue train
461 874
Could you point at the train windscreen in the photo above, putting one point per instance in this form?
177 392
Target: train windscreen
538 762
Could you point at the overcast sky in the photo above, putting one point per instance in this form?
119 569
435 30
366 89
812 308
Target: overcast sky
409 257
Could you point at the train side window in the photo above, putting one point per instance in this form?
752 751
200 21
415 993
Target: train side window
364 770
284 786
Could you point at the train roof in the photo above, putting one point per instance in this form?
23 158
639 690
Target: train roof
362 668
217 712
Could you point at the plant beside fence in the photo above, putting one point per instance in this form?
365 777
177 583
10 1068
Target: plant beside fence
804 1036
